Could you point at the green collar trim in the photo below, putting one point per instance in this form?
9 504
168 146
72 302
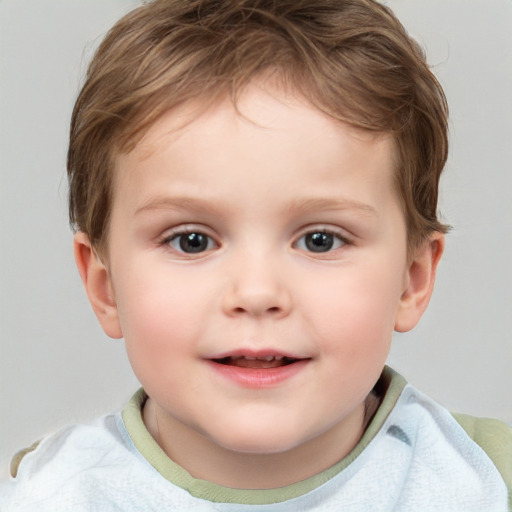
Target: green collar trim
495 438
390 386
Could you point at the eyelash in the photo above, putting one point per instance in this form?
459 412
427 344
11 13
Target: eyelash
332 237
205 243
200 237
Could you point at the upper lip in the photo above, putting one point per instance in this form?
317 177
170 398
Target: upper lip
263 354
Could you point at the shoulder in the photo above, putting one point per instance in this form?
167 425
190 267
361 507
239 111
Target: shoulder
494 437
65 466
78 440
459 453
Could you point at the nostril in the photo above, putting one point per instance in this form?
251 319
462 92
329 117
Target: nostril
256 301
272 311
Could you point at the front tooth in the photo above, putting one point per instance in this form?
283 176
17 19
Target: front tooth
278 358
269 358
250 358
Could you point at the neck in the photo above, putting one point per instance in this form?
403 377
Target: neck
206 460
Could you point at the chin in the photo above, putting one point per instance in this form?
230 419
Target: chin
257 447
262 441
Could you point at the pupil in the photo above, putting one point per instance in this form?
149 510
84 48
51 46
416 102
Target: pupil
319 242
193 242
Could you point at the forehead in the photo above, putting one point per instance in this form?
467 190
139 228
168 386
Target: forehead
265 108
267 127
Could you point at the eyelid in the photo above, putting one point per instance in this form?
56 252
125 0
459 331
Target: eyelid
186 229
322 228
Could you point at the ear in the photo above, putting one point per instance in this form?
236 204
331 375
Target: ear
98 285
419 282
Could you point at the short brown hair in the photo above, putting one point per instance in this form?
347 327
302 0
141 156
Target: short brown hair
350 58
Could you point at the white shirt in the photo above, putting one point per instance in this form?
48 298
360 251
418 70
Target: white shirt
418 459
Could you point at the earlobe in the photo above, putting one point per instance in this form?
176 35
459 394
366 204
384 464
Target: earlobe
98 285
419 283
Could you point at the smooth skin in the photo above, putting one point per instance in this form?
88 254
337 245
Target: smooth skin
271 230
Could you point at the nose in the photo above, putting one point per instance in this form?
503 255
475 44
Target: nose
257 288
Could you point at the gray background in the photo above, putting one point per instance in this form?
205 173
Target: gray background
57 366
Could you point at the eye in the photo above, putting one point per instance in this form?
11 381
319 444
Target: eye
191 242
320 241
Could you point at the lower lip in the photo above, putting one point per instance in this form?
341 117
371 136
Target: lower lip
259 378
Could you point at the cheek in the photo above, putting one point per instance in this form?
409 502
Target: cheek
356 315
159 321
152 300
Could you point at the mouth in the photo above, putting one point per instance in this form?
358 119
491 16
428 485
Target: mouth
257 362
262 369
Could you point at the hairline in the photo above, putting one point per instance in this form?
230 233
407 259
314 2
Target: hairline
204 102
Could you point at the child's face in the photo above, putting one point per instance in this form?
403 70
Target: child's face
258 265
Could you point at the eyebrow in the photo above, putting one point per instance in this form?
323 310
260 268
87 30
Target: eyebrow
329 204
178 203
206 205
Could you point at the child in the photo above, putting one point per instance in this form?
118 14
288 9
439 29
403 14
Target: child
253 186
